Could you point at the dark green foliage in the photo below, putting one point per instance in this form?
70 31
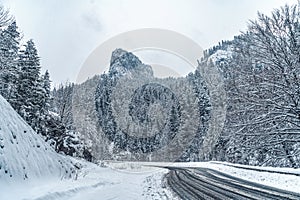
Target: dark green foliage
29 93
9 47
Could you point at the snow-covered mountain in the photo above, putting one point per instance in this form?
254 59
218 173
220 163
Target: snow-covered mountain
23 154
127 110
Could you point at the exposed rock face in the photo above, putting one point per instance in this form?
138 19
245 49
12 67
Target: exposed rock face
123 62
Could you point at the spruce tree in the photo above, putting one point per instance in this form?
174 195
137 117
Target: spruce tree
29 88
46 90
9 47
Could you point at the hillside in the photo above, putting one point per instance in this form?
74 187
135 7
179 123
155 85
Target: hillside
23 154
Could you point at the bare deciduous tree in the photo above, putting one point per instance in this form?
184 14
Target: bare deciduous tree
5 17
265 90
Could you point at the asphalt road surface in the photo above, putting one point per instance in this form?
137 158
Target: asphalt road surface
204 183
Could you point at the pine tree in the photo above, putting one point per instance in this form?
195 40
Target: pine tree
46 85
43 104
9 47
61 132
29 88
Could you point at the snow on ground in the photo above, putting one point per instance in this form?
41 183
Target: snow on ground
23 154
270 176
30 169
133 180
276 179
95 182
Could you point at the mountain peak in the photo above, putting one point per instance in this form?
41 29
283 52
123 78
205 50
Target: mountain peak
117 53
123 61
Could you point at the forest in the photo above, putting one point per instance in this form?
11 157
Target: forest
260 69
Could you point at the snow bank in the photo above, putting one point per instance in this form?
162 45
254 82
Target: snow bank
282 178
23 154
94 182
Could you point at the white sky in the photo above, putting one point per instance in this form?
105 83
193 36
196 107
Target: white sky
67 31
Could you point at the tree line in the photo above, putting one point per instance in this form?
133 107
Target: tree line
29 91
262 83
263 88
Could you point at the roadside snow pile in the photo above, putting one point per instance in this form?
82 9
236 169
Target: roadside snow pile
94 182
23 154
155 187
134 180
282 178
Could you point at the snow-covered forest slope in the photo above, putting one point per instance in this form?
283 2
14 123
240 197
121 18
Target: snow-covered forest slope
24 154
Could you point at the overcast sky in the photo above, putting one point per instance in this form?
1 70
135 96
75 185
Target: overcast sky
67 31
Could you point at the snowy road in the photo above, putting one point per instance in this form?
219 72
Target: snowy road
156 180
204 183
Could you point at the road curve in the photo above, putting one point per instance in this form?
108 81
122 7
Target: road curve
204 183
